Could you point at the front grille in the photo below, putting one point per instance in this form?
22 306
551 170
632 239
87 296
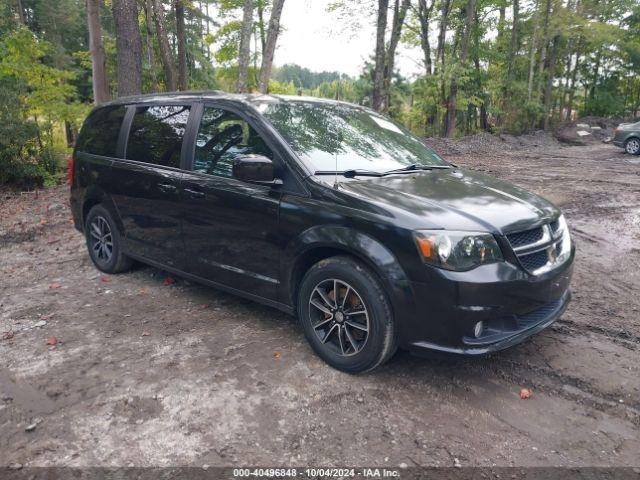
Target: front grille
520 239
534 261
537 247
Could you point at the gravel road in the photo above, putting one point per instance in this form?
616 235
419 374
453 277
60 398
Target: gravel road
146 370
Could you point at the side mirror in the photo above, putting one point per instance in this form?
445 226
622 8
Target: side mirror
255 169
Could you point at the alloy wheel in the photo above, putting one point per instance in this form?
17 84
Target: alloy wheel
633 146
339 316
101 239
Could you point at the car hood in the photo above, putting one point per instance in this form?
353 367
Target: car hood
454 199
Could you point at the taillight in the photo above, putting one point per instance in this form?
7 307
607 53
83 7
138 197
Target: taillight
71 171
616 131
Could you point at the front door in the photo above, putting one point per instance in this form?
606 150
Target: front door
147 184
230 227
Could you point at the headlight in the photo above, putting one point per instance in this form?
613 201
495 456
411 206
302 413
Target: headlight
565 245
562 225
457 250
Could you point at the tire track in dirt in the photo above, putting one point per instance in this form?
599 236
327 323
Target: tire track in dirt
620 337
582 391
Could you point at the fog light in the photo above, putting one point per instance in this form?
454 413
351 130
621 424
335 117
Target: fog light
478 329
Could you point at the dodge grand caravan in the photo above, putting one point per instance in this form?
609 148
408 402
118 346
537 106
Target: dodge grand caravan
325 210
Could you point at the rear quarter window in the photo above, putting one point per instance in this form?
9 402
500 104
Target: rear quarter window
156 134
99 134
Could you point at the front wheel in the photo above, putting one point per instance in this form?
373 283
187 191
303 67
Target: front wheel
104 242
346 315
632 146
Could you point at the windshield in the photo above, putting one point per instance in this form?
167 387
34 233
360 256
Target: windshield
336 137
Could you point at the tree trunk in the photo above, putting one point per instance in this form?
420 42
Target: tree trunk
378 73
514 43
532 53
256 72
444 21
565 80
424 12
502 21
551 70
399 14
99 71
201 29
543 49
440 55
165 48
206 22
128 46
572 88
263 39
507 86
484 121
151 57
245 47
178 6
270 45
596 73
450 121
20 11
68 133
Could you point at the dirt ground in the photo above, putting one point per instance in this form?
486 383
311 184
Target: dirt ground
146 372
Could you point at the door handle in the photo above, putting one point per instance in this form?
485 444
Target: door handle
166 187
194 193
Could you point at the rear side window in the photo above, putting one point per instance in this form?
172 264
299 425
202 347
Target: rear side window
99 134
156 134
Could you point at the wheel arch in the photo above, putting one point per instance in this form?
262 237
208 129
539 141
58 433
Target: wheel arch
324 241
96 196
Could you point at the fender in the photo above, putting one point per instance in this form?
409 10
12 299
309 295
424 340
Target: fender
358 244
95 194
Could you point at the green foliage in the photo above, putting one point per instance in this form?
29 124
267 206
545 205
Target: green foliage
36 97
227 39
586 59
598 40
303 77
604 102
278 88
22 161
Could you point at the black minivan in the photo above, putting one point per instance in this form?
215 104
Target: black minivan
325 210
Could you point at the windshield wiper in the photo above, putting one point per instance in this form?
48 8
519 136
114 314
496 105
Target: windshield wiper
416 167
350 173
371 173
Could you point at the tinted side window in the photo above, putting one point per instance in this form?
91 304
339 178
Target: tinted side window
156 134
99 134
223 136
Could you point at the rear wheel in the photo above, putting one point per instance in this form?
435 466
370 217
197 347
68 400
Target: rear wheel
104 242
346 315
632 146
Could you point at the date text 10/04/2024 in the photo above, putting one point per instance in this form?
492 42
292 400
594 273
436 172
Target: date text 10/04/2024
316 473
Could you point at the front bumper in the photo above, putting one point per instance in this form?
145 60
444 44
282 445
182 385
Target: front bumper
512 304
495 340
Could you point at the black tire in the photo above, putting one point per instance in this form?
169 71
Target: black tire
632 146
104 242
361 302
